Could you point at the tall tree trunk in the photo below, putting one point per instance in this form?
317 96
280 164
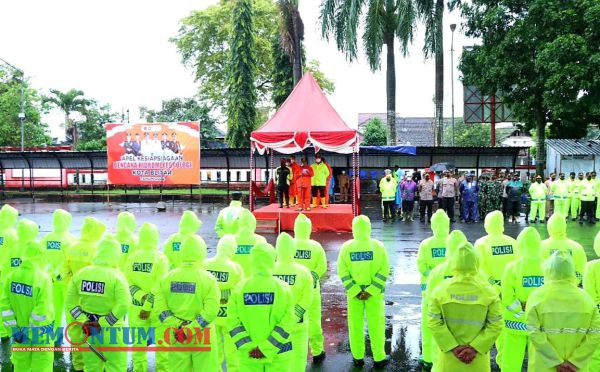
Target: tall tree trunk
67 129
439 70
297 55
540 143
390 86
75 136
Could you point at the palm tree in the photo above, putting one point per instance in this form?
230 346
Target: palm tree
291 34
69 102
432 14
384 21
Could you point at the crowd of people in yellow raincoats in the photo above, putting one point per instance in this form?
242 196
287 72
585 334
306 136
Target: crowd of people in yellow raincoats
258 306
528 297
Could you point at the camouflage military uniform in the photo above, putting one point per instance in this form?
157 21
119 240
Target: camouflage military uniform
485 196
490 197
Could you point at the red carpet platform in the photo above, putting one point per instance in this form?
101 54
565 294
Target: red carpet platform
337 218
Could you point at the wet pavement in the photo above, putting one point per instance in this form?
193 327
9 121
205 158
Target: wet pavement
402 294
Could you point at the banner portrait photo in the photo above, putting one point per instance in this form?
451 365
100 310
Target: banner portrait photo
153 153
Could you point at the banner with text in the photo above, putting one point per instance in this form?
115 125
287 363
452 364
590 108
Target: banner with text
153 153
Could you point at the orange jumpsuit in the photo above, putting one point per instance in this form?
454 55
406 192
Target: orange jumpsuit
304 181
294 192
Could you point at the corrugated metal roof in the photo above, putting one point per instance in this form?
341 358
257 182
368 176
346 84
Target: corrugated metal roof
410 131
574 146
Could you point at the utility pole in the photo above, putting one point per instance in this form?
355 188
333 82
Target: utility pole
452 28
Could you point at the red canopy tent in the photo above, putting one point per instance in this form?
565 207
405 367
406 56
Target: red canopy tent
306 119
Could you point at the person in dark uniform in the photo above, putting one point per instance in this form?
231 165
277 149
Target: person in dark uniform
165 144
175 145
128 145
137 145
283 177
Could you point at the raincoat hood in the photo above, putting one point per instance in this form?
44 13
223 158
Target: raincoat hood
189 223
61 221
455 239
149 237
494 223
226 246
8 216
33 253
126 224
92 229
597 244
108 252
286 248
193 249
27 230
302 227
557 226
246 222
465 260
440 224
361 227
529 243
560 266
262 257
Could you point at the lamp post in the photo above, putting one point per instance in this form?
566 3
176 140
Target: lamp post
22 103
452 28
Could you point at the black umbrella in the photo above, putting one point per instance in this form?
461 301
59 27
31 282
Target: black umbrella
442 167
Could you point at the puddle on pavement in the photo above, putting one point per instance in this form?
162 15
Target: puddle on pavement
402 294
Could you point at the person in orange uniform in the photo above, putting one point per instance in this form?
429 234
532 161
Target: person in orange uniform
296 170
304 181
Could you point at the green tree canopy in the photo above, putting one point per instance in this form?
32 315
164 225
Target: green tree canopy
375 133
543 54
203 43
69 102
472 135
283 81
383 23
184 109
92 135
241 74
36 132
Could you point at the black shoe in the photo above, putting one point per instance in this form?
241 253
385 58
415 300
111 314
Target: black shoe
382 363
318 359
426 366
281 206
581 222
5 339
359 362
541 221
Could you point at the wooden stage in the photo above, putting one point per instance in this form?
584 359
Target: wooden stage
336 218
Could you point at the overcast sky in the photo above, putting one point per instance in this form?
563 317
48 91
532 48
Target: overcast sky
118 52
